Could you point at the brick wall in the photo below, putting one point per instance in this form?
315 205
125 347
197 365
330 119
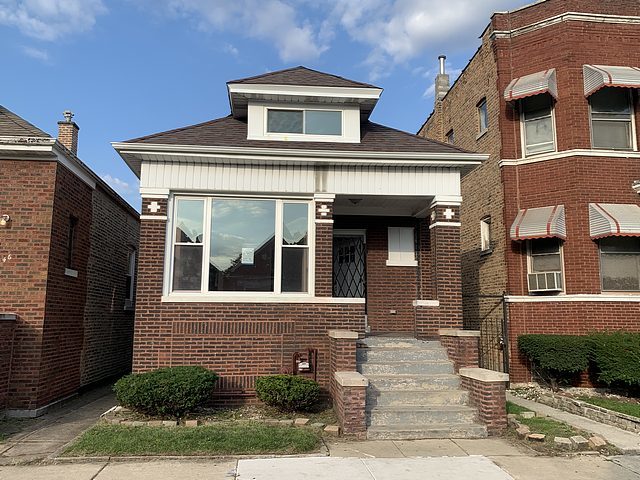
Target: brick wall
488 396
62 336
7 327
462 348
108 326
26 194
350 405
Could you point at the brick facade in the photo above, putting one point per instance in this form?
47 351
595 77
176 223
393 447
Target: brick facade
572 179
487 392
462 347
52 344
7 327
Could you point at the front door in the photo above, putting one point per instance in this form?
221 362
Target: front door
349 265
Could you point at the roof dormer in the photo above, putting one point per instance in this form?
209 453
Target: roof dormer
300 104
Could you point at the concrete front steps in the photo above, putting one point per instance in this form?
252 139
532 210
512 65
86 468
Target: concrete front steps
413 391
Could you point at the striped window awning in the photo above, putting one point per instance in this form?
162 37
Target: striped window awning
600 76
534 84
612 220
543 222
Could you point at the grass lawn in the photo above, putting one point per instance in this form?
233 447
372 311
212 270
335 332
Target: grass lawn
225 439
517 409
616 405
551 428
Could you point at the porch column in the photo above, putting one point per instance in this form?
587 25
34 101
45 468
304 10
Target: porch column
324 244
441 303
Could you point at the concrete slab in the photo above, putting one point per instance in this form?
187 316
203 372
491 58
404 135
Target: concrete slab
429 448
365 449
626 441
32 448
488 447
630 462
51 472
169 470
321 468
572 468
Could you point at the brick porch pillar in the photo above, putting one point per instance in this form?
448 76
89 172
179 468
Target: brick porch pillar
440 305
324 244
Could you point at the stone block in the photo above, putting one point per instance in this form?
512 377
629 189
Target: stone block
579 442
528 414
563 442
597 442
191 423
300 421
523 431
154 423
137 423
332 430
272 421
536 437
317 425
286 422
169 423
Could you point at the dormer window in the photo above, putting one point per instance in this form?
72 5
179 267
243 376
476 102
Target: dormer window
306 122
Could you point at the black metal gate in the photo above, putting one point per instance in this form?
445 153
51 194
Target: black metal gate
489 314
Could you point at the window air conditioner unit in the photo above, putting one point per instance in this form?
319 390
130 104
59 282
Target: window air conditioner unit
545 282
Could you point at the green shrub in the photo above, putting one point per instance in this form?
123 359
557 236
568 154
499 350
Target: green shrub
288 392
166 391
556 358
616 357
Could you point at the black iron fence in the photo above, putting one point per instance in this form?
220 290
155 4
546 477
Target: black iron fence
489 315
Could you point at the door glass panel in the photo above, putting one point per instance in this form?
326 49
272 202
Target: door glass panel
349 276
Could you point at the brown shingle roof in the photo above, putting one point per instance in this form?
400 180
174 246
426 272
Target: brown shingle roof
302 76
11 125
231 132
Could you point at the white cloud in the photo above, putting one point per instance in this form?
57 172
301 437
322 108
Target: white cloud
120 186
230 49
273 21
50 19
36 53
400 30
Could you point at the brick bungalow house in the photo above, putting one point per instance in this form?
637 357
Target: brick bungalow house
68 248
293 216
553 217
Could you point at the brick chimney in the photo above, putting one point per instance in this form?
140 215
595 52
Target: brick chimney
68 132
442 80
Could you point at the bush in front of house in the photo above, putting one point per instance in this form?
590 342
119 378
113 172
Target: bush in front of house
170 391
557 358
616 358
288 392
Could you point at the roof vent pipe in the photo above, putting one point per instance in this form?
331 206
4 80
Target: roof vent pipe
442 58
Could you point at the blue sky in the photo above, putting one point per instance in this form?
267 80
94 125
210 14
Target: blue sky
128 68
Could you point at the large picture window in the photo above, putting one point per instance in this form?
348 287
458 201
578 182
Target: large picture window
309 122
620 264
611 119
250 245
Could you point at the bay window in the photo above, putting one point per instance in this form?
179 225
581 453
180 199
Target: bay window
250 245
611 119
620 263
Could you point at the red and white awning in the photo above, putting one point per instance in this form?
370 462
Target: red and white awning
543 222
611 220
534 84
600 76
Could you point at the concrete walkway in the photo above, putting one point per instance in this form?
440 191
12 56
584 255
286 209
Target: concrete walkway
627 442
44 437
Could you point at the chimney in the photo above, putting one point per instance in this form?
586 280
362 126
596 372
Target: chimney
68 132
442 80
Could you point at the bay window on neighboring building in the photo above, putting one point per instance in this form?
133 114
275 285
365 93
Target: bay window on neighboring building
538 130
620 263
611 119
224 244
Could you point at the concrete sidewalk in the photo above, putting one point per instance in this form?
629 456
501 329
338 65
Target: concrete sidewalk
45 436
627 442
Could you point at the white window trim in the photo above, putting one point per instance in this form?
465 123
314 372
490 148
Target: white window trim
204 294
608 292
634 135
523 139
401 263
530 270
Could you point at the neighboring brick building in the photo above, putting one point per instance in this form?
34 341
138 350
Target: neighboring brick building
295 215
553 217
68 244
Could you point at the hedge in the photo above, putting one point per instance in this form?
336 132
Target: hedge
288 392
167 391
613 357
